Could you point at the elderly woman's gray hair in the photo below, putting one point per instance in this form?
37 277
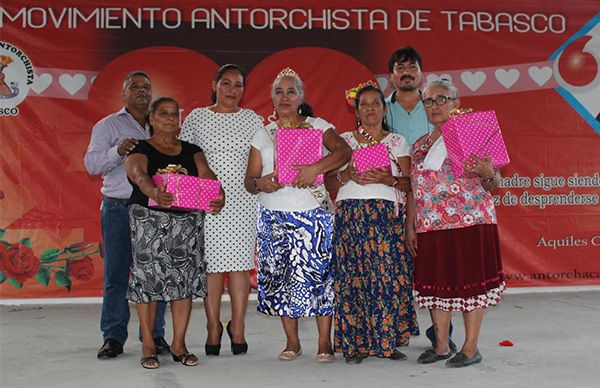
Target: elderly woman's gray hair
296 79
444 83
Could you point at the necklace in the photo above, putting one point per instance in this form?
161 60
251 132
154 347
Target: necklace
289 124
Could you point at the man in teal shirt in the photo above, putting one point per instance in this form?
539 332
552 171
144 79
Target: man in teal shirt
406 113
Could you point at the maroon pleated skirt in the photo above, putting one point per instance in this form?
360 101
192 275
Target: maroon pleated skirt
459 269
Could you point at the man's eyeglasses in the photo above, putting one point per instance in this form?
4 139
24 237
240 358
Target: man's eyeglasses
439 101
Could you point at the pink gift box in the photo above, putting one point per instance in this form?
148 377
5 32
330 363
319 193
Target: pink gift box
297 147
474 133
375 156
191 192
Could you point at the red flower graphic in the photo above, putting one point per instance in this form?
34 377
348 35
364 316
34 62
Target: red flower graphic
82 269
18 262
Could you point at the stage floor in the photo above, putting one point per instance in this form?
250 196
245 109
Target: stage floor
556 340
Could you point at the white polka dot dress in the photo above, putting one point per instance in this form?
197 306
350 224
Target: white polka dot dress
225 138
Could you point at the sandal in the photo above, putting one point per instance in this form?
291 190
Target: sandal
324 358
187 359
290 355
145 362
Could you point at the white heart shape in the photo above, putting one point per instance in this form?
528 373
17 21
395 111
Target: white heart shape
473 80
507 77
540 75
72 83
382 82
434 77
41 82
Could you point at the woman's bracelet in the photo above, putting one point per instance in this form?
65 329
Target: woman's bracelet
255 185
488 180
339 177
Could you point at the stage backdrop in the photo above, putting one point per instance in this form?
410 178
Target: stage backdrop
536 63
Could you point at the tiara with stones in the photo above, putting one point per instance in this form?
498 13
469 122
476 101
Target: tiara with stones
288 72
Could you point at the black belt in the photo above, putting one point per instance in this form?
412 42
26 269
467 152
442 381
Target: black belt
124 201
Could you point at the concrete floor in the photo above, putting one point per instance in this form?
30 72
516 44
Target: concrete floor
556 340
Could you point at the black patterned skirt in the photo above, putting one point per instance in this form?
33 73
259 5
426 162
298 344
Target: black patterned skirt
168 255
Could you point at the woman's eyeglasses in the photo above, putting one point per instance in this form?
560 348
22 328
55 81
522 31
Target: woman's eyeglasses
439 101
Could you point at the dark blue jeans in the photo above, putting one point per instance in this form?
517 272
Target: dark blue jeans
117 264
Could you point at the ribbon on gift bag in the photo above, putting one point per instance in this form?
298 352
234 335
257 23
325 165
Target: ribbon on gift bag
173 168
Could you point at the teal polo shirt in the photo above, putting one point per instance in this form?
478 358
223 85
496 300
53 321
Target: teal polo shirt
412 125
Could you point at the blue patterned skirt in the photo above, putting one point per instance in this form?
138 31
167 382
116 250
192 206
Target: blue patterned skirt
295 277
374 307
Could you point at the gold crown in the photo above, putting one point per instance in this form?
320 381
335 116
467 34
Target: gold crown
288 72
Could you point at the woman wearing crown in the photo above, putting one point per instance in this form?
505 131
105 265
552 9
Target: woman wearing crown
374 311
295 276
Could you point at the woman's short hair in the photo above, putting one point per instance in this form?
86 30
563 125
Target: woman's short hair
160 100
444 83
154 107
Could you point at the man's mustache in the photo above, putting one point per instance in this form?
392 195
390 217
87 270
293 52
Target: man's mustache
407 77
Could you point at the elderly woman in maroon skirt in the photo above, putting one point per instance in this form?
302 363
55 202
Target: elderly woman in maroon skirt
453 234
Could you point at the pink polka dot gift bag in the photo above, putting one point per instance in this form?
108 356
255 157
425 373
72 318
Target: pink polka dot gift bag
191 192
474 133
297 147
375 156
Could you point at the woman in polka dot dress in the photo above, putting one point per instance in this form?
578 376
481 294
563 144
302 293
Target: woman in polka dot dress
454 235
224 132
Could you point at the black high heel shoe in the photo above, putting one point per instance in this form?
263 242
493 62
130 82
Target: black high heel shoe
214 350
236 348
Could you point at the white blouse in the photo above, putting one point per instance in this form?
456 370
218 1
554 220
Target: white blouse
397 147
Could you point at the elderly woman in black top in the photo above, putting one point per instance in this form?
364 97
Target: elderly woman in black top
168 262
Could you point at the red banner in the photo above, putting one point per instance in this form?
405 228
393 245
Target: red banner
62 66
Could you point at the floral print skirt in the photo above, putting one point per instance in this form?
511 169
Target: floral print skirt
168 255
374 307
